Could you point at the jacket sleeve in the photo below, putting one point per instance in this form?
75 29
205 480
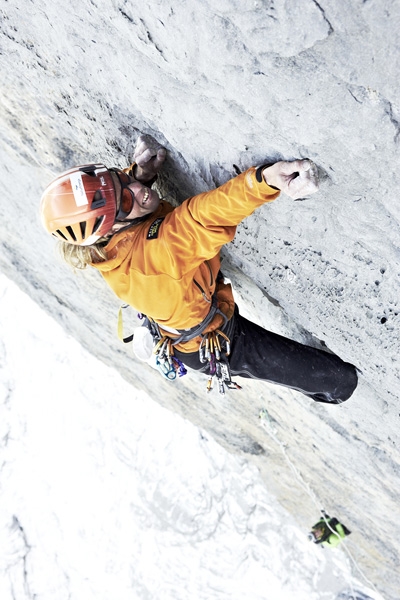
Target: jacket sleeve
232 202
199 228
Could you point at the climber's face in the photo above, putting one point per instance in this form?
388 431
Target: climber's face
133 198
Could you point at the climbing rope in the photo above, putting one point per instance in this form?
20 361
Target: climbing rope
267 425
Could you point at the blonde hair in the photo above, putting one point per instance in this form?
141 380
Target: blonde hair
79 257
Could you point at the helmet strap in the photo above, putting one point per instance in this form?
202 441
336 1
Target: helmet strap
130 223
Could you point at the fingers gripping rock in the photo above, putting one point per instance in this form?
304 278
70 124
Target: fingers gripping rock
304 181
149 156
297 178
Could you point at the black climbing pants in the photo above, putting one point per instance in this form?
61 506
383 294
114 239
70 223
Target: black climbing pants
260 354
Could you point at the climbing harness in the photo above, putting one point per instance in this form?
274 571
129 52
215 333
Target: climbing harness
162 347
214 348
211 351
169 365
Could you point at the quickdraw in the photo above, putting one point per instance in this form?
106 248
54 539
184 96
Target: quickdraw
214 349
211 352
168 365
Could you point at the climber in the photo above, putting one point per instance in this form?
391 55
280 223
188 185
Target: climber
328 532
165 262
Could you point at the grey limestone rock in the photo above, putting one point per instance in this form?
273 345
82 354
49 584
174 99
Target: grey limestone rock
220 85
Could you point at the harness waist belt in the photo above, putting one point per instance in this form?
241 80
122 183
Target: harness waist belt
189 334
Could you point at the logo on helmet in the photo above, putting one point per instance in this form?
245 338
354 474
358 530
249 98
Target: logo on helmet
78 189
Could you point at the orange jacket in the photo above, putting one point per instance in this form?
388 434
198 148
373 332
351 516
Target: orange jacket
166 266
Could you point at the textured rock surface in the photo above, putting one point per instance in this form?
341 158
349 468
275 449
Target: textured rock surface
224 86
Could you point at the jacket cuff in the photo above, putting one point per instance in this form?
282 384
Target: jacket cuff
260 178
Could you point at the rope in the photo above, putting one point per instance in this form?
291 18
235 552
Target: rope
268 427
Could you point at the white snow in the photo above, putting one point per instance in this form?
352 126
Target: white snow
106 495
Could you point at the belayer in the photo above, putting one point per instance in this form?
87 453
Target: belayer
165 262
328 531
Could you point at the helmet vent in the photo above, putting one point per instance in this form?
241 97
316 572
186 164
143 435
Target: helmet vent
82 225
71 232
60 234
97 223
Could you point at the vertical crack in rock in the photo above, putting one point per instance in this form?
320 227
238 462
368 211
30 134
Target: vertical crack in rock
148 37
16 526
126 16
389 111
355 97
317 4
151 41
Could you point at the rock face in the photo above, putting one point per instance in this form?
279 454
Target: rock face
222 86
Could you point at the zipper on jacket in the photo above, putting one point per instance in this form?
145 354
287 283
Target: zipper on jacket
211 274
202 291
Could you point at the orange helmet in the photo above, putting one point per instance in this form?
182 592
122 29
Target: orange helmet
80 206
